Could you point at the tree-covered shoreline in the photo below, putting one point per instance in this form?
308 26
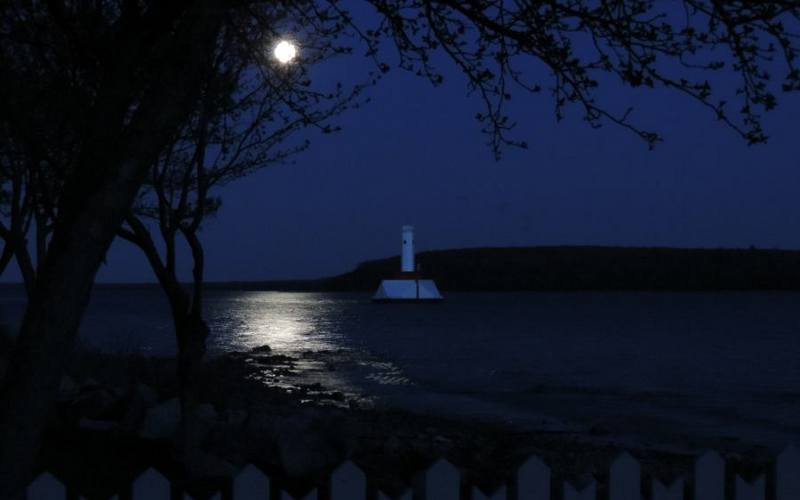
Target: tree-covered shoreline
567 268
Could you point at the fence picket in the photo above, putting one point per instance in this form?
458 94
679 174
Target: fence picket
587 492
348 482
46 487
533 480
442 481
251 484
672 492
150 485
709 477
625 479
787 474
499 494
750 490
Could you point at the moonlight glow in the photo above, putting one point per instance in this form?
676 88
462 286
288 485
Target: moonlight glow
285 51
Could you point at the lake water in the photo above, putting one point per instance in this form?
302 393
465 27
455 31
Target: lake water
644 365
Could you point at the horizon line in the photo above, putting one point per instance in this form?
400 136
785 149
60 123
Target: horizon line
307 280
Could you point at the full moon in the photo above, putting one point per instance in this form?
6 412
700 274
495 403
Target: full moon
285 51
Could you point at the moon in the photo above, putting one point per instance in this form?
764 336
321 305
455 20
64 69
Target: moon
285 51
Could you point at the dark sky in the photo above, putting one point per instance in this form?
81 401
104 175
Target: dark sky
415 155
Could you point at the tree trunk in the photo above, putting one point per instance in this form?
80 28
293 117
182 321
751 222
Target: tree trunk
192 348
51 321
24 263
6 256
191 332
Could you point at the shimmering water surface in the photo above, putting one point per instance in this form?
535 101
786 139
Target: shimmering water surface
726 364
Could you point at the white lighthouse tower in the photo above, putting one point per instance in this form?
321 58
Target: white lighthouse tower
408 285
407 257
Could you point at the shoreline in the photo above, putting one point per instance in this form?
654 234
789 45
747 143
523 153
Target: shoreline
297 433
554 268
347 379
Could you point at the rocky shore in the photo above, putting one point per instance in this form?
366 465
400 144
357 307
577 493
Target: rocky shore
117 415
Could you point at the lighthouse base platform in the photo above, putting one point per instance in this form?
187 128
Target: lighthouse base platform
407 290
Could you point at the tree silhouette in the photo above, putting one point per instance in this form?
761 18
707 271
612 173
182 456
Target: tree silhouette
28 190
14 203
578 44
124 80
246 120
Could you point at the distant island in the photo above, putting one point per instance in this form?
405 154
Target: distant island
571 268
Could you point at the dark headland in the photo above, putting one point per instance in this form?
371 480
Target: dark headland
565 268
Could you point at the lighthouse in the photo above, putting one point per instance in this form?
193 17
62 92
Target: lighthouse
408 285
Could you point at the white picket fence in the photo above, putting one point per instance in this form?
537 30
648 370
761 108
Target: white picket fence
532 481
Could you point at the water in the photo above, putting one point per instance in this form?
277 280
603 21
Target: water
688 364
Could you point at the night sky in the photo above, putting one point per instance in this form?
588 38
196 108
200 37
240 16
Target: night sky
415 155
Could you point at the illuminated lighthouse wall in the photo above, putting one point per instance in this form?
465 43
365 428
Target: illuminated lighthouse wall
407 257
409 285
